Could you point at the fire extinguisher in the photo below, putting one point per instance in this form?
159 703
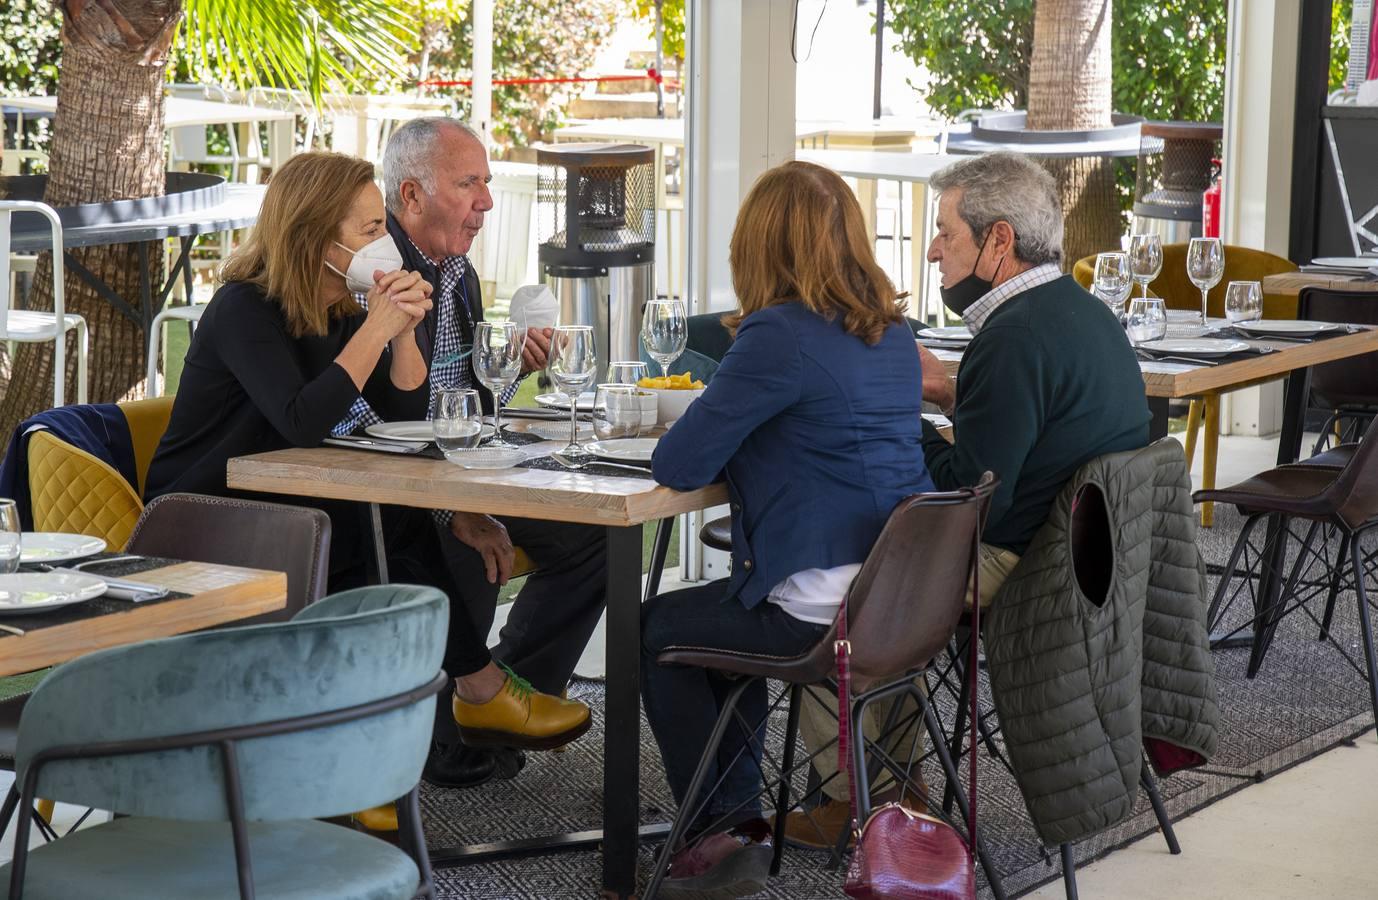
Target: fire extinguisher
1210 203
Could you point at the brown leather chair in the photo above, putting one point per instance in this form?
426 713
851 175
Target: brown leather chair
1321 493
904 606
1346 388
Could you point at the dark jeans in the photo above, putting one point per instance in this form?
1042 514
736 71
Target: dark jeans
682 702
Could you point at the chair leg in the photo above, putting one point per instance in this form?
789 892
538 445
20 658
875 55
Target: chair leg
412 836
1361 592
1210 423
1069 872
1159 811
1193 426
1213 612
1335 579
659 548
7 810
1266 622
684 816
782 801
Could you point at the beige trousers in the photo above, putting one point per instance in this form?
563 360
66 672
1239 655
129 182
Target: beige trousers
818 715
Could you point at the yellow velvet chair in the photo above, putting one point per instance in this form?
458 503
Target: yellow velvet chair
1177 291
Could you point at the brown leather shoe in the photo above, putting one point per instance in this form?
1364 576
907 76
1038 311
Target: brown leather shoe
520 716
820 827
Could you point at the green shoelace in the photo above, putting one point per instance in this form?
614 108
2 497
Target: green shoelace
518 685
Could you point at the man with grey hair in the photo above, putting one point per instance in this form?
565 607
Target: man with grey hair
436 175
1047 383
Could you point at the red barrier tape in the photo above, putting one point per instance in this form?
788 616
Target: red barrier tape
651 75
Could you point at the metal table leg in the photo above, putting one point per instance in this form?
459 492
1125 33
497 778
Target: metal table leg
622 714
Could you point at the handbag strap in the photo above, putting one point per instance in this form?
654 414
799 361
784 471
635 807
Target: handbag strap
842 647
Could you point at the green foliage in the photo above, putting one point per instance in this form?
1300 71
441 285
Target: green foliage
1341 17
671 24
1169 59
29 52
976 54
531 39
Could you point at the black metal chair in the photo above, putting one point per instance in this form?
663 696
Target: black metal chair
903 605
1346 389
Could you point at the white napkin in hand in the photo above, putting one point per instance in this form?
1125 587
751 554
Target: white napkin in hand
534 306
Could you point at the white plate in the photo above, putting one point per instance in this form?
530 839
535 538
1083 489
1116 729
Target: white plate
624 449
486 458
52 546
947 333
422 431
1203 347
1346 262
558 431
561 401
31 592
1291 327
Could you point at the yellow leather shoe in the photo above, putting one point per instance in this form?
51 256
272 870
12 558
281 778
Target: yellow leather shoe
520 716
379 818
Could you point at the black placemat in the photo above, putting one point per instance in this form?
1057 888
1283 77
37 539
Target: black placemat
1230 332
1204 362
98 606
547 464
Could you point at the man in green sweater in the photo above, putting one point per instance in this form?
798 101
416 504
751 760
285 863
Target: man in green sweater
1048 382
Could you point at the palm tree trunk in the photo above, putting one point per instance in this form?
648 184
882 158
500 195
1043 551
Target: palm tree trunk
1069 88
107 145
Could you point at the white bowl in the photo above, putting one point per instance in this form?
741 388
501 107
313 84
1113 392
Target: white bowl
671 404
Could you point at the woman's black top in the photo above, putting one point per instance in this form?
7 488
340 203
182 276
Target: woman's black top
248 386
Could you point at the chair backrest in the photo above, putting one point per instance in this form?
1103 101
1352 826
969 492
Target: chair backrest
1173 285
1345 382
74 492
7 210
348 650
1354 493
909 595
246 533
147 421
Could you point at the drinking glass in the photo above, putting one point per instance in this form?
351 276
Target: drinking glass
627 372
1145 258
1147 320
458 420
1243 301
573 365
1205 266
1113 280
10 537
498 350
664 331
616 411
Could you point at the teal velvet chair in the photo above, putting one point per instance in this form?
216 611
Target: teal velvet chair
221 749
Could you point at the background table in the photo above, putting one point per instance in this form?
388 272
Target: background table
1290 284
219 595
621 505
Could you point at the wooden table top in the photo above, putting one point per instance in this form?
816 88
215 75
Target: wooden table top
219 595
1231 375
564 496
1291 283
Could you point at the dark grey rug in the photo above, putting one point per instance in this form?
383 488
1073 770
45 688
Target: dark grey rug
1305 700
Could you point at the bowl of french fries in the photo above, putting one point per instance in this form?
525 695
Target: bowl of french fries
673 393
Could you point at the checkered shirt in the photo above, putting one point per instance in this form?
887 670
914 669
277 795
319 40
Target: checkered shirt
977 313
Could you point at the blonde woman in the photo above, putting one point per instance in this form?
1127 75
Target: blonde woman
813 417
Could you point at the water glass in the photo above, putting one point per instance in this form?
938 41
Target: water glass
572 366
664 331
616 411
11 537
627 372
498 350
1145 258
1205 267
458 420
1113 279
1243 301
1147 320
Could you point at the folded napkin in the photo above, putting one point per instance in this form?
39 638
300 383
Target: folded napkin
534 306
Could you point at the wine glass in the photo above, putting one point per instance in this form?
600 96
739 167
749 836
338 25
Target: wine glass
11 538
627 372
1113 279
616 411
1243 301
458 420
1145 258
498 350
573 365
664 331
1147 320
1205 266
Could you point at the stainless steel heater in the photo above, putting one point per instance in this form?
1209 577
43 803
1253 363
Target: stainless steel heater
597 222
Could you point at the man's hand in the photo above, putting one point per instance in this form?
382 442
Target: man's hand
938 387
489 537
536 353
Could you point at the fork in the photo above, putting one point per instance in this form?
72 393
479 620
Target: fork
577 466
1182 359
10 629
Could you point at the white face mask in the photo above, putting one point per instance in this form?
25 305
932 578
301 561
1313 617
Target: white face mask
381 253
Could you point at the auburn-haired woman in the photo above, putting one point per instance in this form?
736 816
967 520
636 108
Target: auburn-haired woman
814 418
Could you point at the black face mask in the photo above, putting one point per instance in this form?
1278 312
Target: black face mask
971 288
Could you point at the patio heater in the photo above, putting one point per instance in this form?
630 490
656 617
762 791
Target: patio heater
1174 170
596 211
